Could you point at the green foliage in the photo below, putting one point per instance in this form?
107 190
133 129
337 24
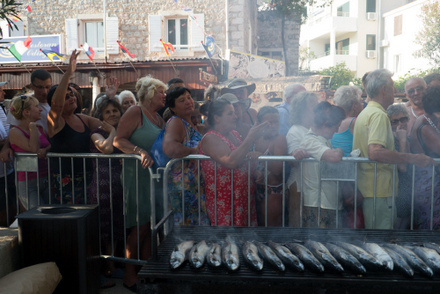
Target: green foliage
8 9
429 37
399 84
341 75
296 8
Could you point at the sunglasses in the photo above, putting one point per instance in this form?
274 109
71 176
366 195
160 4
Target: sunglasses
23 98
401 120
69 94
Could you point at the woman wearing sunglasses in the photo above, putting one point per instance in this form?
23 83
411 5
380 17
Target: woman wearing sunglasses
29 137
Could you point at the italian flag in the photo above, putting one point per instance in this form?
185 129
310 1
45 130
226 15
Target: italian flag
19 48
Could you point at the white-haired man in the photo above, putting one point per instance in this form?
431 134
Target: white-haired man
283 109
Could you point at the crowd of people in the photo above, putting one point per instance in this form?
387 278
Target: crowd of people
233 188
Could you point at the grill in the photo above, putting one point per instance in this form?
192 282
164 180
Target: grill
158 270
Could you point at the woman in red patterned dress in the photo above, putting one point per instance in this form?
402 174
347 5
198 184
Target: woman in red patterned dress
229 153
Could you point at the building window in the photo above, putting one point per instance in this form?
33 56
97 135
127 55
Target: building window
178 33
397 64
371 42
398 25
371 5
273 53
94 34
327 49
344 10
343 47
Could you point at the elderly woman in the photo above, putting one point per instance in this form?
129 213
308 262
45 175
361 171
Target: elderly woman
316 142
399 118
425 138
110 204
126 99
301 118
182 138
226 148
136 133
240 107
30 137
69 132
271 143
350 100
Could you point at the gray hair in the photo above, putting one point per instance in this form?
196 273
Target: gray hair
146 86
376 80
291 90
347 96
298 106
397 108
125 94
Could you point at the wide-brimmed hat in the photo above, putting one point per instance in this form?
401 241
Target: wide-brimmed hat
238 84
3 83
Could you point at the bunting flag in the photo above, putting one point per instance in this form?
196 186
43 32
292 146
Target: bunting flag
89 51
167 46
28 8
209 46
124 50
19 48
51 54
16 18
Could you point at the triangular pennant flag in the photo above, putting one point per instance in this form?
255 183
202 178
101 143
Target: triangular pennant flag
28 8
167 46
51 54
125 51
89 51
20 47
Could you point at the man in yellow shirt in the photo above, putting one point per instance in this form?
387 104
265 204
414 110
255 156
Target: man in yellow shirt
374 138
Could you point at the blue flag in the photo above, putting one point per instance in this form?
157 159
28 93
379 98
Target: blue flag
209 46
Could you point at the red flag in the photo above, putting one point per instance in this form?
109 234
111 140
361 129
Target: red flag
124 50
28 8
167 46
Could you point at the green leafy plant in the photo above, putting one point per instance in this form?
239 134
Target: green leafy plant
429 37
9 9
341 75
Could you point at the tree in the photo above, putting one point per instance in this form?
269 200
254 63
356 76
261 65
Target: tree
8 9
429 37
341 75
295 12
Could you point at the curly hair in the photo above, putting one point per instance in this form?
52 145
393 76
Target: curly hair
146 86
298 105
103 105
346 96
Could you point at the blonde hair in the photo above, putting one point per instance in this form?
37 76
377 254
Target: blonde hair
20 103
146 86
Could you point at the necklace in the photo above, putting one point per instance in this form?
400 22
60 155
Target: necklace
155 121
412 110
432 124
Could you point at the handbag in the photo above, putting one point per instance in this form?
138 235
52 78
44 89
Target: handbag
157 154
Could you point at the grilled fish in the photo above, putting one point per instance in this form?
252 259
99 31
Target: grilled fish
429 256
250 254
380 254
180 253
412 259
346 259
324 256
399 263
198 254
368 261
286 256
434 246
214 257
230 256
270 257
306 257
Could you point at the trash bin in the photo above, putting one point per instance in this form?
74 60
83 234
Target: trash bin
67 235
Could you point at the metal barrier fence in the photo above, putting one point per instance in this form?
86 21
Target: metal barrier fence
344 171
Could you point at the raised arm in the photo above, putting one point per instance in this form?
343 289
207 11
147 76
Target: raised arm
54 120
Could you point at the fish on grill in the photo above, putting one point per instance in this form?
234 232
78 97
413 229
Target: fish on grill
399 263
287 257
306 257
324 256
412 259
429 256
431 245
380 254
346 259
180 253
230 256
368 261
198 254
214 257
270 257
250 254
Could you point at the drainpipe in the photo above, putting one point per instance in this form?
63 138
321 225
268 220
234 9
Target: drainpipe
105 31
379 35
227 23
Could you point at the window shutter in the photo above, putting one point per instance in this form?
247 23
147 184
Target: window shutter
72 34
197 29
155 30
5 28
112 35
